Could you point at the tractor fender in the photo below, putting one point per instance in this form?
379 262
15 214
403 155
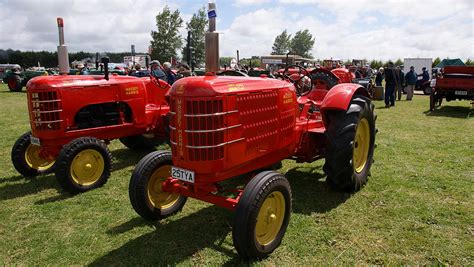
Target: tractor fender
339 97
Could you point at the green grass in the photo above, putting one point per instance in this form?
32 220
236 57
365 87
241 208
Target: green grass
417 207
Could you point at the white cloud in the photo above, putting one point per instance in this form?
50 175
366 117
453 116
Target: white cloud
250 2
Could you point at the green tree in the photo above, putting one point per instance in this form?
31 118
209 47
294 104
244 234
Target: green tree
436 62
282 43
302 43
197 25
166 40
399 62
469 62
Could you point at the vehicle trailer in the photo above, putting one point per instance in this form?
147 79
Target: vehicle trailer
223 127
455 82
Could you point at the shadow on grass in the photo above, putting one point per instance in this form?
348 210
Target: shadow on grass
125 157
311 193
12 179
28 187
174 241
452 112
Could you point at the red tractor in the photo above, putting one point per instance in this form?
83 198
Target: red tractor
72 119
222 127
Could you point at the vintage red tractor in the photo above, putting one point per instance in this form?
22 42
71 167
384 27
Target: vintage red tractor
223 127
72 119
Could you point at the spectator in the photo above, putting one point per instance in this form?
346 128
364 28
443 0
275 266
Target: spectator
399 75
411 79
390 83
157 71
138 71
425 75
170 76
379 77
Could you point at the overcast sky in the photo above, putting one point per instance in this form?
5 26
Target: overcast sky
343 29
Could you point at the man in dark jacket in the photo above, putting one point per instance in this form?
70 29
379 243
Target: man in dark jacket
411 79
400 80
390 83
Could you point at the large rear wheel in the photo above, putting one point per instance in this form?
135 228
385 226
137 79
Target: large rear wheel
262 215
27 160
351 139
145 189
83 164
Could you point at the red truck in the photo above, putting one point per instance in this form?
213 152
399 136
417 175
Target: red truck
454 82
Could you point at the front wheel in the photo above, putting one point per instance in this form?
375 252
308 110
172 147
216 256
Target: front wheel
27 160
83 164
145 189
351 138
262 215
427 90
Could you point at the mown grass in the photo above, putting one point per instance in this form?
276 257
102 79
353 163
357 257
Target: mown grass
417 207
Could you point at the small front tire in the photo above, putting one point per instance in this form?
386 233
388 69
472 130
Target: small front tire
145 189
27 160
83 164
262 215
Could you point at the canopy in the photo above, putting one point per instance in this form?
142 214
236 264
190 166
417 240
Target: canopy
450 62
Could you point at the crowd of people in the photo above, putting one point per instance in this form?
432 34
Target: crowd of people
162 71
396 80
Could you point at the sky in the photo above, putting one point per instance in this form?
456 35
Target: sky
343 29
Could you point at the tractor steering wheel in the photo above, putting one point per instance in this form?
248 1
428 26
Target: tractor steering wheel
301 79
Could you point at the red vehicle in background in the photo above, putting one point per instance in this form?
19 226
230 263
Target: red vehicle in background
454 82
72 118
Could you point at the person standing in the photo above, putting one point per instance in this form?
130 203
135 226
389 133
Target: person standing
379 77
399 78
390 83
170 76
156 70
411 79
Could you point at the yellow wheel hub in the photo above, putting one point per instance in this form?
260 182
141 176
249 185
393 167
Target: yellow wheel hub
270 218
156 196
361 145
87 167
35 161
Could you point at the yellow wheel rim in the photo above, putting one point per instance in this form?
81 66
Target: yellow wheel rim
361 145
270 218
35 161
87 167
157 198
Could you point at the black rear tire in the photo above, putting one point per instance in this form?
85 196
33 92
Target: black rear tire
145 193
251 239
348 158
83 164
26 158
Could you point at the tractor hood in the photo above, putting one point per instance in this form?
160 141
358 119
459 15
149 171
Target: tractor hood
208 86
65 81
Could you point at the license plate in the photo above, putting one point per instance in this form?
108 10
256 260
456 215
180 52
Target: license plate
182 174
35 141
460 92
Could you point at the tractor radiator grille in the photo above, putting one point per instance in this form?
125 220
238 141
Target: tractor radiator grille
259 118
204 128
45 110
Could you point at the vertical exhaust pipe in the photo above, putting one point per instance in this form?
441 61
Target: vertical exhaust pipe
212 40
63 58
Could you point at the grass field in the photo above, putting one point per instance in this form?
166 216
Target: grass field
417 207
